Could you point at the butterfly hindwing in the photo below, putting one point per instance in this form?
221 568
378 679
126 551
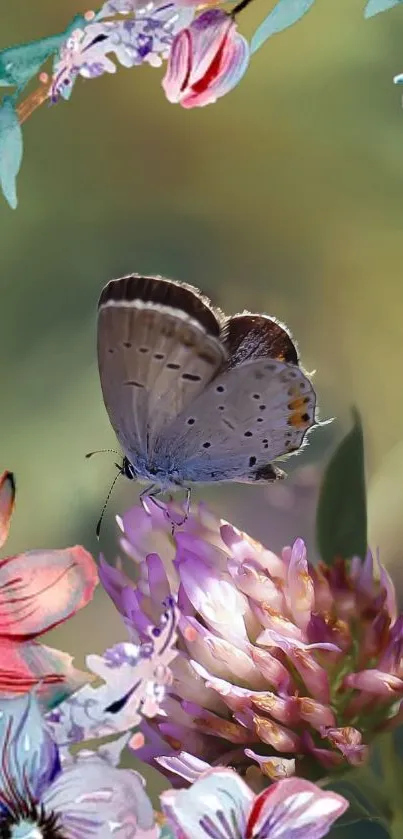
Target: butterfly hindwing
249 336
247 417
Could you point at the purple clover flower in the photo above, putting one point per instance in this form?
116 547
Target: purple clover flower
282 665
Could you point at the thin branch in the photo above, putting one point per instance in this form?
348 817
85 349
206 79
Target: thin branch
33 101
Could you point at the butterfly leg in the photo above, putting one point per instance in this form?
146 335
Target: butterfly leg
149 492
186 514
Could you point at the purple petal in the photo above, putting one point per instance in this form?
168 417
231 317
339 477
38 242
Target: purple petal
235 61
295 809
93 799
28 755
178 67
215 805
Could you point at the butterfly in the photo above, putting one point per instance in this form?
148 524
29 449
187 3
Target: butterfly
195 396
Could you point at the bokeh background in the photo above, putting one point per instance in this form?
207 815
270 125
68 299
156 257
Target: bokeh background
286 197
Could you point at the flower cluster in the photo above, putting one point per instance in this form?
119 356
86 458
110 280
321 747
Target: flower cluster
48 792
283 667
206 56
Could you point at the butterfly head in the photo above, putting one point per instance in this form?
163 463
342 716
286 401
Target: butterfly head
127 469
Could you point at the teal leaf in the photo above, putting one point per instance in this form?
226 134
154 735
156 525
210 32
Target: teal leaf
284 14
373 7
10 150
341 519
19 64
366 815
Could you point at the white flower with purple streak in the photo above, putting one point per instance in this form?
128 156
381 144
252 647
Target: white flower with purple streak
221 806
46 795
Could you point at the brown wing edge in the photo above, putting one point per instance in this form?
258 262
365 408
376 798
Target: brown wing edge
249 336
160 291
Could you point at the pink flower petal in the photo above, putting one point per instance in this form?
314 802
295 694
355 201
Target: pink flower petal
7 496
233 65
218 801
113 581
215 598
41 589
187 766
281 738
208 33
178 67
28 665
300 586
349 741
272 670
275 768
326 757
292 808
207 60
375 682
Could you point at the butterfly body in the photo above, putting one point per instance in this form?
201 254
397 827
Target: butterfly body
195 396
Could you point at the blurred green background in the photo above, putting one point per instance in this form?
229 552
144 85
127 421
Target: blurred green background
286 196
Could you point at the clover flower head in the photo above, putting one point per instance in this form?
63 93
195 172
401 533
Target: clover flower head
282 664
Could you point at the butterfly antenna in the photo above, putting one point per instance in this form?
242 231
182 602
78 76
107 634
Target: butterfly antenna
98 527
100 451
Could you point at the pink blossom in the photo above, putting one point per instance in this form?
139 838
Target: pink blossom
206 61
281 662
220 803
38 590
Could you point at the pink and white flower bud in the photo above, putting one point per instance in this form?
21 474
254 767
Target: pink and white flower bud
207 60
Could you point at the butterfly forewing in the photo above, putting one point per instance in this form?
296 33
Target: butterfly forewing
247 417
158 349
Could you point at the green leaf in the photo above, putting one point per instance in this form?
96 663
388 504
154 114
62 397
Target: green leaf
365 817
19 64
373 7
284 14
10 150
341 519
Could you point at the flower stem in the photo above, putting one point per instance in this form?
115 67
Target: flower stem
240 7
392 781
33 101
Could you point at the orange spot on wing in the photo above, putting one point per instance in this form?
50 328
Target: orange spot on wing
297 403
298 420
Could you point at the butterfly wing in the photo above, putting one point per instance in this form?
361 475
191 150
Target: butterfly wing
158 349
247 417
251 336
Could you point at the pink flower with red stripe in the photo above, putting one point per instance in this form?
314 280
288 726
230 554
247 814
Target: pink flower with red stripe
207 60
38 591
221 806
